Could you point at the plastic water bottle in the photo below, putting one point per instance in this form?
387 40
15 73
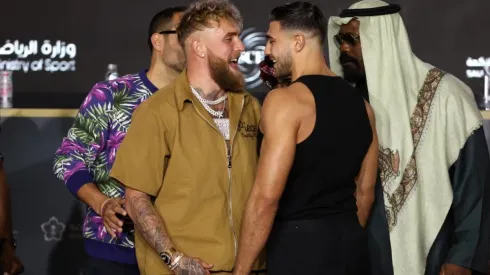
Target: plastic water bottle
486 93
6 89
111 73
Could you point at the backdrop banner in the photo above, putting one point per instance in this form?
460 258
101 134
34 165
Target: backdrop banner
61 49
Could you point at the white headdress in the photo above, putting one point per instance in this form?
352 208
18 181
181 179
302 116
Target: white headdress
412 125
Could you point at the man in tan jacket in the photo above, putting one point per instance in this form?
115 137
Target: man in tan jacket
189 158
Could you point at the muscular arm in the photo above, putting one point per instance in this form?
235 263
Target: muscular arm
277 154
366 179
151 226
146 220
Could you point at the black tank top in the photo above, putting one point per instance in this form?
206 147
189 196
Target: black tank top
322 178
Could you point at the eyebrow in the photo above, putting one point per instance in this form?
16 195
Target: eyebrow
231 34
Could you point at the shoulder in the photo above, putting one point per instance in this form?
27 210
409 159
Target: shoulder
452 87
163 99
456 114
159 108
105 91
251 99
346 91
280 98
146 116
456 96
279 105
251 102
124 83
456 110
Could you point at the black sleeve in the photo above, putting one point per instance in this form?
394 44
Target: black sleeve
470 179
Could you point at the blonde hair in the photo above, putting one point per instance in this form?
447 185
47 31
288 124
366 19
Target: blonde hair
203 14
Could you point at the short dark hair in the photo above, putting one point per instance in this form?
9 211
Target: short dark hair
205 13
161 21
301 16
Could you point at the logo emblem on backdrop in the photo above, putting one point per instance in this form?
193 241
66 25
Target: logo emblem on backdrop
53 229
254 53
480 68
36 56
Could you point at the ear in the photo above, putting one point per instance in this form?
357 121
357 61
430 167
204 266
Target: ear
157 41
198 48
299 41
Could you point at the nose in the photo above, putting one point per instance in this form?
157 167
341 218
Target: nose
345 47
267 50
240 46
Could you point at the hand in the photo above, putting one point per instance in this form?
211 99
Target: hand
11 264
109 210
452 269
192 266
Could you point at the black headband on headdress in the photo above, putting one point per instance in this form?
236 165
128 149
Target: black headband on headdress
390 9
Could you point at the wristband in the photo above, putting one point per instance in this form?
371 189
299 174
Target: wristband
102 206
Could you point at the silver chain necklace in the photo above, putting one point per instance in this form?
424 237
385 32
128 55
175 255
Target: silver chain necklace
206 103
210 102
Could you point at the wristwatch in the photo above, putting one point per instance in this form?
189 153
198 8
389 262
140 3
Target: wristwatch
167 255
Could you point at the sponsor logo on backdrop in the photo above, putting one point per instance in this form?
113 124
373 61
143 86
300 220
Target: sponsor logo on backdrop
53 229
480 68
248 63
38 56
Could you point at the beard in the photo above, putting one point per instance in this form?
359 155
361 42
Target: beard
283 65
223 75
174 59
353 70
178 66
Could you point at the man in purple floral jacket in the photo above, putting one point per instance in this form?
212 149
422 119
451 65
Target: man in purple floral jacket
86 155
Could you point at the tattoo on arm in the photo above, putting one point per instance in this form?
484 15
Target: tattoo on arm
149 223
189 266
152 228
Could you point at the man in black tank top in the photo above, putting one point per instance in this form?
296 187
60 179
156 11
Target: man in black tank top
317 169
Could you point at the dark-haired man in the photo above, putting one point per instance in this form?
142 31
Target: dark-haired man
434 161
319 152
87 154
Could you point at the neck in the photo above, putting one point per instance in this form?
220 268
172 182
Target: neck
311 63
203 83
160 74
